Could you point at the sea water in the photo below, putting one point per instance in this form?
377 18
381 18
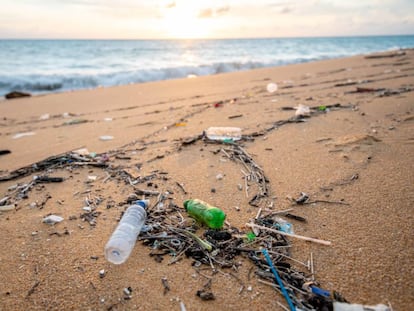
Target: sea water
44 66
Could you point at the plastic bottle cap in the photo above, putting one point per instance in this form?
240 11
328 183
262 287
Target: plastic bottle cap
143 203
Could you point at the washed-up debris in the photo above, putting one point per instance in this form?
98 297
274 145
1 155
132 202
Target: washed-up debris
387 55
279 281
16 94
365 90
302 199
211 216
6 208
102 273
33 288
61 161
391 92
90 216
45 116
295 217
165 284
52 219
106 137
20 135
235 116
302 111
182 306
271 87
4 151
341 306
347 83
47 179
59 234
300 237
75 121
223 133
254 172
4 200
127 292
205 293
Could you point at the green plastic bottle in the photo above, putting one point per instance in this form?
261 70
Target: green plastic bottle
211 216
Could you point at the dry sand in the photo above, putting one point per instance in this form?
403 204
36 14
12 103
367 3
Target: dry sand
371 259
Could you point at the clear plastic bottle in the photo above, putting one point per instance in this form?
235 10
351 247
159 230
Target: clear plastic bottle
122 241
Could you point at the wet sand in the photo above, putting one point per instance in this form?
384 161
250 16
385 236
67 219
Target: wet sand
359 153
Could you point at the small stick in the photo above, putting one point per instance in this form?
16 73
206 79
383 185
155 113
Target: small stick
224 151
258 213
106 178
300 237
32 289
165 284
288 257
312 268
282 306
326 201
202 274
279 212
181 187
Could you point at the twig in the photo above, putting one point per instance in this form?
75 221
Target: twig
165 284
312 268
258 213
326 201
32 289
300 237
181 186
288 257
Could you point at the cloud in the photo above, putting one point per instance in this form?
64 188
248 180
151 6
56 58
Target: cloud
286 10
211 12
205 13
222 10
170 5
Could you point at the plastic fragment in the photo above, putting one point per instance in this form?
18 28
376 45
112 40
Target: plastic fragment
223 133
6 208
52 219
106 137
271 87
20 135
302 111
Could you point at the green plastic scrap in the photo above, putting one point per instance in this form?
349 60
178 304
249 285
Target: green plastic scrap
250 236
204 244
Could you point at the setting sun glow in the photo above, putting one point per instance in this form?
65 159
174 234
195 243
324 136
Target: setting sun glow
182 20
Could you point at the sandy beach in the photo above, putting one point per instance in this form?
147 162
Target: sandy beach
353 157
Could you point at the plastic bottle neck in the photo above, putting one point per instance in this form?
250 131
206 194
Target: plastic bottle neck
142 203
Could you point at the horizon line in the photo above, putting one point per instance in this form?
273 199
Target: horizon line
206 39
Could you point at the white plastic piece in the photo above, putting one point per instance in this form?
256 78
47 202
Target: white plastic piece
224 133
20 135
340 306
106 137
52 219
302 110
271 87
45 116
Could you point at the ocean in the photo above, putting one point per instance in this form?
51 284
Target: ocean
50 66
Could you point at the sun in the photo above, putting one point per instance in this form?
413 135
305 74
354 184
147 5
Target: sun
181 21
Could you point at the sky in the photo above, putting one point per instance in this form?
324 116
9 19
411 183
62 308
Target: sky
171 19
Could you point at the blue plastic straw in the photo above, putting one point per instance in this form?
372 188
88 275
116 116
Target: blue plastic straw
279 281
